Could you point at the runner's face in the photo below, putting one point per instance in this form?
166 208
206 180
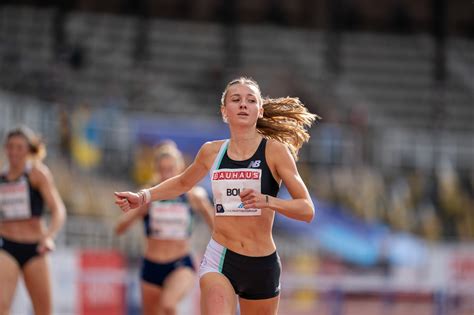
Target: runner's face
167 167
242 105
17 150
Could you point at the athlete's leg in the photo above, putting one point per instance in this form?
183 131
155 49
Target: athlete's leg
38 283
151 296
175 287
9 275
217 295
259 307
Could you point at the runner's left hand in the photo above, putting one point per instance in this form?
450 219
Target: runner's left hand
46 245
252 199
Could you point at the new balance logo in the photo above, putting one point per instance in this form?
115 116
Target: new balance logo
254 164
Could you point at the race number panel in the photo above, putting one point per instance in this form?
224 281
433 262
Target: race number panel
14 201
227 185
169 220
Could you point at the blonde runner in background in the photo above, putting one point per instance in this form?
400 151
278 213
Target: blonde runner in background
168 270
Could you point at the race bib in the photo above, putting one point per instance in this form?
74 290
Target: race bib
226 187
14 201
169 220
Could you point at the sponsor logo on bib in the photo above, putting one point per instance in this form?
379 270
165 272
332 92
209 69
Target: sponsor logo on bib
219 208
254 164
229 175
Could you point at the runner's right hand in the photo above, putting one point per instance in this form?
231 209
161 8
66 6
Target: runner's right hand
127 200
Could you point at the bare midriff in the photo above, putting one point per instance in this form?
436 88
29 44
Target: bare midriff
164 251
246 235
27 231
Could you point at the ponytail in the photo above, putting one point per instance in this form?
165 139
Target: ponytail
286 120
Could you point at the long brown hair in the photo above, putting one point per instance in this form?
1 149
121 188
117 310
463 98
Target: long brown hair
285 119
36 146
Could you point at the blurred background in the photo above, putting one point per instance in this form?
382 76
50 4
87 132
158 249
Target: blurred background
390 167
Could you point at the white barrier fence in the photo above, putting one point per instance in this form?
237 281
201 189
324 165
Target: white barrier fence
93 282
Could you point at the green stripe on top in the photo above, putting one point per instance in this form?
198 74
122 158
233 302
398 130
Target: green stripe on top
221 262
222 152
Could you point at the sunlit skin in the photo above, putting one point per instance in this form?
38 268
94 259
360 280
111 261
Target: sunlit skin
33 230
157 300
242 106
246 235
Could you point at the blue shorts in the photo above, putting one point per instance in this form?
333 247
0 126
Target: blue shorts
156 273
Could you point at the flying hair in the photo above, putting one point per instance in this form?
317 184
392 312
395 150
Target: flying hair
285 119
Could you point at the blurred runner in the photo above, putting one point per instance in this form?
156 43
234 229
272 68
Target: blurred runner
26 186
168 271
